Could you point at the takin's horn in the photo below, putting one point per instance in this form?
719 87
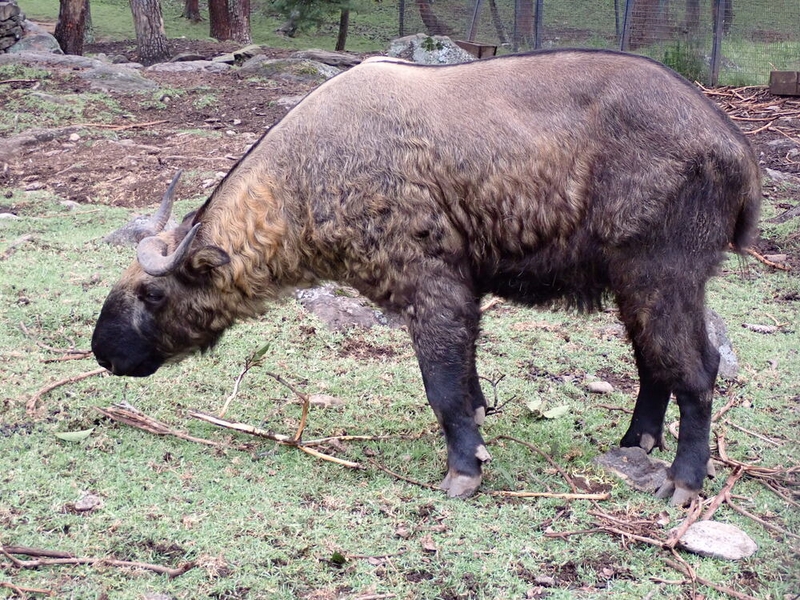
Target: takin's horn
161 216
153 258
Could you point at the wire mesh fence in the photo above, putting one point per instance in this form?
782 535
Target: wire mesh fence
726 42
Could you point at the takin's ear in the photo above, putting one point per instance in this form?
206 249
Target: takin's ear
203 260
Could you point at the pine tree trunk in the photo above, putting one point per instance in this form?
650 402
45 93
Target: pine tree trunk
230 20
191 11
88 31
344 22
151 40
70 26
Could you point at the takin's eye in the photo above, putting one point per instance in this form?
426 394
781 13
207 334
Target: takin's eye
151 295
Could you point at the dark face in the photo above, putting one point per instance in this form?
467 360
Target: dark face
149 320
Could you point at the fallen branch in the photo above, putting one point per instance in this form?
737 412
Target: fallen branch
43 562
130 415
30 406
766 261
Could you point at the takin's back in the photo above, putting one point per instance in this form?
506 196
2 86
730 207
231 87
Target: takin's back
562 155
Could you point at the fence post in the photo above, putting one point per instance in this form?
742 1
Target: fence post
473 24
537 25
627 21
716 49
402 20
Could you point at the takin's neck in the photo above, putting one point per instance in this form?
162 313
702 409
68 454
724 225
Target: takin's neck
247 222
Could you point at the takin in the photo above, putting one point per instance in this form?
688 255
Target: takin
557 178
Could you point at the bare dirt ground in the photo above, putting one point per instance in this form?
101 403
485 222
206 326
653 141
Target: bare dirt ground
203 122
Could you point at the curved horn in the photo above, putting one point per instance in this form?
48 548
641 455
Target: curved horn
153 258
161 216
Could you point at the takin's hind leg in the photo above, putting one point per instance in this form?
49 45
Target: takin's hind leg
673 355
647 423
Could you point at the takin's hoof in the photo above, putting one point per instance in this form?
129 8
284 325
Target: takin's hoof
680 495
648 442
460 486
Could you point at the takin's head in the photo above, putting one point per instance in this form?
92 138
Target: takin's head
165 305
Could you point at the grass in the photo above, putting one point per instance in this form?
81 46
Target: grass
275 523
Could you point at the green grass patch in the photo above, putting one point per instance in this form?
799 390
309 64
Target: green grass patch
272 522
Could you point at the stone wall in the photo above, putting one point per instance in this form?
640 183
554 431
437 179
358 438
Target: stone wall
11 19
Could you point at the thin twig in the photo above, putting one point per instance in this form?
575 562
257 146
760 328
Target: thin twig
720 588
753 433
757 519
170 572
723 493
565 496
30 406
694 513
541 453
380 467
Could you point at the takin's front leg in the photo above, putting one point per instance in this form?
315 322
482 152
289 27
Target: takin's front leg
444 325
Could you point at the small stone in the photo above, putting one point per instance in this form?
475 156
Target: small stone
718 540
777 258
69 204
88 502
74 137
600 387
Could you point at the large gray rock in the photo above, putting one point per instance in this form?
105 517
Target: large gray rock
101 75
717 540
718 336
288 69
635 467
429 50
189 66
36 42
341 60
341 308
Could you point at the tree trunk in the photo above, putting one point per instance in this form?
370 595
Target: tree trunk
88 31
344 22
151 40
230 20
70 26
191 11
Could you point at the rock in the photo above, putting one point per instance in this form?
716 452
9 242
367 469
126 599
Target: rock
288 69
242 54
342 60
782 177
229 59
429 50
635 467
190 65
187 57
718 336
101 75
599 387
37 42
88 502
116 78
341 308
289 101
717 540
